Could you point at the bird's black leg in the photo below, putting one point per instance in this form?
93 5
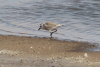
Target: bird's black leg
52 33
55 31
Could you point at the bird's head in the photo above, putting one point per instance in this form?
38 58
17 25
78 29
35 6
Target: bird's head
41 26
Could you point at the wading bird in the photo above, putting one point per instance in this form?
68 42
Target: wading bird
50 26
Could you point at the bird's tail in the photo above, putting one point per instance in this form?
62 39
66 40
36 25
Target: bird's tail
59 25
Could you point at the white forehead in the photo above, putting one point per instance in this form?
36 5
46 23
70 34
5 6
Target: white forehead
42 24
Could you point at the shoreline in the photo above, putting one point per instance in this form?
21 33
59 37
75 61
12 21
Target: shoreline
47 49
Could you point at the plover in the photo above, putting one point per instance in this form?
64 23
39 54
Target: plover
50 26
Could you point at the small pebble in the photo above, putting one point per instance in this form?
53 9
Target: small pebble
59 57
21 61
85 55
31 47
42 60
51 62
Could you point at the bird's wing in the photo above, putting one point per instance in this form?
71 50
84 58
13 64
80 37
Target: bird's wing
50 24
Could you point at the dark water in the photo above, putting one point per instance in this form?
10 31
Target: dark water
81 18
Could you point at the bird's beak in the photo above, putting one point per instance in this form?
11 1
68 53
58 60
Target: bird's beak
39 29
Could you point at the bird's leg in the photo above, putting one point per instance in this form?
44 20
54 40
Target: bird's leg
52 33
55 31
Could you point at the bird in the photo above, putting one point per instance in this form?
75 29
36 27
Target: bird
50 26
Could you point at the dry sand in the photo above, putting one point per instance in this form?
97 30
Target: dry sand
18 51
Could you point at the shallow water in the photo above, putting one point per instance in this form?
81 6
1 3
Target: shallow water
81 18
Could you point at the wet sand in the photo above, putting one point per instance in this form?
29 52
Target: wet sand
19 51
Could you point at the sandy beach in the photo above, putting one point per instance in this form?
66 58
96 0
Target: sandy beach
19 51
